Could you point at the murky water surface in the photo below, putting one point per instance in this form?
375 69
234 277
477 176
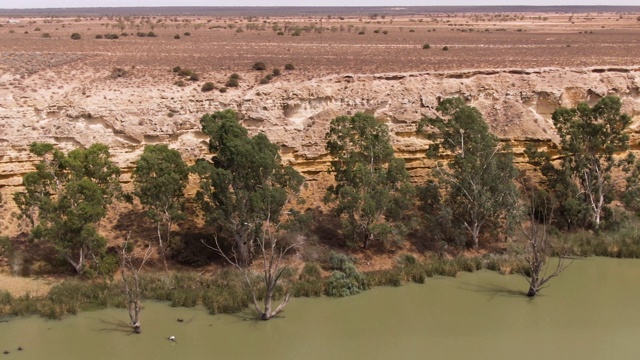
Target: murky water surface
592 311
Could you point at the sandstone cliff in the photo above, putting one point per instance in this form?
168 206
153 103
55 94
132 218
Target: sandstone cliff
75 107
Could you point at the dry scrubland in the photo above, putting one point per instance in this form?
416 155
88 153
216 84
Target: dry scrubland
55 88
329 44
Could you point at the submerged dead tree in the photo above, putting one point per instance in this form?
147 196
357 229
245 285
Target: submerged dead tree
271 252
131 282
539 213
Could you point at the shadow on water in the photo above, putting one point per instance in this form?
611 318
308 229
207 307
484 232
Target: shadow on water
115 326
493 290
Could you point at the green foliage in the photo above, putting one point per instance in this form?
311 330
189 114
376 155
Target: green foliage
338 261
65 198
159 180
345 282
478 180
372 190
244 184
581 184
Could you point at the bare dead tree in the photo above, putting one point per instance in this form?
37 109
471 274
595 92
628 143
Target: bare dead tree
131 282
272 252
539 215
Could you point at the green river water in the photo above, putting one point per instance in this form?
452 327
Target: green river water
592 311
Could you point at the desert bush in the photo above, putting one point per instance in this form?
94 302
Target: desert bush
426 46
289 67
194 77
385 32
176 69
232 82
46 35
208 86
310 271
223 89
76 36
112 36
151 34
345 282
338 261
361 32
99 36
276 72
37 29
180 83
234 76
187 34
445 48
264 81
141 34
176 36
280 33
259 66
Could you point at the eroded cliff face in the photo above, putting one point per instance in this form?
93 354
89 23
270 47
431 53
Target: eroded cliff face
75 107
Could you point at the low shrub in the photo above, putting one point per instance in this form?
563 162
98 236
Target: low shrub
208 86
345 282
260 66
289 67
426 46
232 82
176 36
76 36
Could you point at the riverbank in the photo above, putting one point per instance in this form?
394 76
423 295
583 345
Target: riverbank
588 313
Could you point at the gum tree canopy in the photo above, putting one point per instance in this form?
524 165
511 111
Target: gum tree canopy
245 184
581 182
478 180
65 198
372 190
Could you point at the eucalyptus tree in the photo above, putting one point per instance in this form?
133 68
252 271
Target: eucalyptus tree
244 192
475 175
582 180
372 191
159 180
244 184
65 198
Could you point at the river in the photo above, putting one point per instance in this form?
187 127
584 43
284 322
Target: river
590 312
